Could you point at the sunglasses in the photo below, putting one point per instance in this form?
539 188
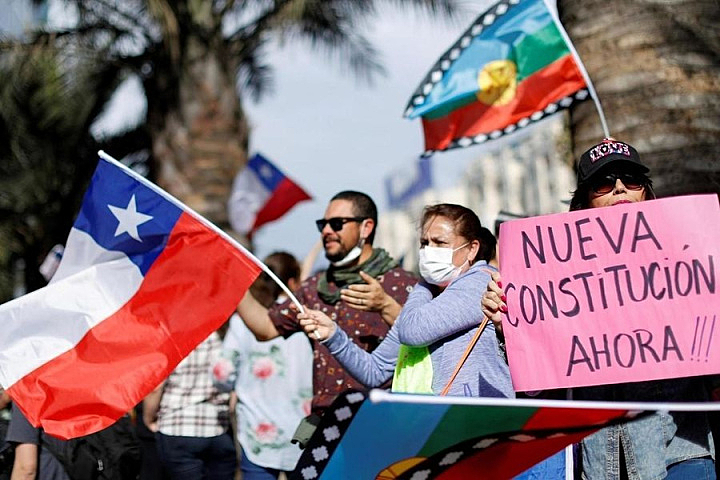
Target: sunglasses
336 223
606 183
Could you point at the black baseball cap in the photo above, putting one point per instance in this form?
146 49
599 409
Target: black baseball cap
609 150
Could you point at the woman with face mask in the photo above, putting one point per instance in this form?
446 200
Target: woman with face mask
440 322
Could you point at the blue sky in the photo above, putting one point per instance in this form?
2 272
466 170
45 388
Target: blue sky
330 132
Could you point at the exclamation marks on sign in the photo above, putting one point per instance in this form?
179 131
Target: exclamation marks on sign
701 326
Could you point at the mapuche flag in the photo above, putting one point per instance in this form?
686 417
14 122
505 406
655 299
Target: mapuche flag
512 67
448 438
143 280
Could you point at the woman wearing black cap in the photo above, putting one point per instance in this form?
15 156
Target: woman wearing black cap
665 444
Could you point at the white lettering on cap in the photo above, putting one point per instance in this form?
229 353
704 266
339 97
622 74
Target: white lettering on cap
608 148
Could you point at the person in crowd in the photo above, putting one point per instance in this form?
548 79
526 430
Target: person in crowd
665 444
33 459
191 419
272 381
438 323
363 290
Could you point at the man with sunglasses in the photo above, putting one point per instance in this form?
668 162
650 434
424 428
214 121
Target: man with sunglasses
362 290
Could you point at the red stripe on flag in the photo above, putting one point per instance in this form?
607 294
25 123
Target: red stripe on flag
545 418
190 290
507 459
554 82
282 199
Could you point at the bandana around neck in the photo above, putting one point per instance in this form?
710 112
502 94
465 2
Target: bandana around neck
379 262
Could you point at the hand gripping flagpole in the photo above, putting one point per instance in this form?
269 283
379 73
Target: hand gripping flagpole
593 94
205 221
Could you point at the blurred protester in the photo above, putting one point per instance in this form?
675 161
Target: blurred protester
440 322
33 458
7 451
191 419
272 381
363 290
665 444
151 468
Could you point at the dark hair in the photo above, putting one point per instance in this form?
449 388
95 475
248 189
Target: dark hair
285 267
467 224
363 206
581 196
488 245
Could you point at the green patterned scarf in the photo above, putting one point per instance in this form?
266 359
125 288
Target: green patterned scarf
378 263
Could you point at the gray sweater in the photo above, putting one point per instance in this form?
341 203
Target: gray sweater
445 324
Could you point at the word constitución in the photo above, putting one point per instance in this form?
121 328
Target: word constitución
611 286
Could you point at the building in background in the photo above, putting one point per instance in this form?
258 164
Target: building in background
526 175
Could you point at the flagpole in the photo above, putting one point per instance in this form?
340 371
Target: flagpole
205 221
384 396
581 66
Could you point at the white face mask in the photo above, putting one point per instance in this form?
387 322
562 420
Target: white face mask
353 254
436 265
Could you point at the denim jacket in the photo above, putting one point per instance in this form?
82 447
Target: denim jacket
652 443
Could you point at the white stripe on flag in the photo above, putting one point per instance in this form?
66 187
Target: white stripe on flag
65 310
248 196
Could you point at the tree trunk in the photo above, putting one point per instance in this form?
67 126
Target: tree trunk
201 143
656 67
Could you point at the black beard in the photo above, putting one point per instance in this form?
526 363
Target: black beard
336 257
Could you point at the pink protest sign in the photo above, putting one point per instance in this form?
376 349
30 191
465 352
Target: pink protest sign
610 295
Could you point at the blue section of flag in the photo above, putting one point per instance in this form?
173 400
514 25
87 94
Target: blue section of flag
266 172
397 417
111 186
402 186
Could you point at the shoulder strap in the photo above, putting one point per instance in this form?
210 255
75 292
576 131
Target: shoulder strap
469 348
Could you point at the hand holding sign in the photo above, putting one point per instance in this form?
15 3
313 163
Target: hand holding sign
493 301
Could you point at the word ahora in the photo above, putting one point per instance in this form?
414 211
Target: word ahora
624 350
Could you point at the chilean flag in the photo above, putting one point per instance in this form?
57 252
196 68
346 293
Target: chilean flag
143 280
261 193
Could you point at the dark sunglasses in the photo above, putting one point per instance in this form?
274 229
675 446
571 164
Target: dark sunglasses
606 183
336 223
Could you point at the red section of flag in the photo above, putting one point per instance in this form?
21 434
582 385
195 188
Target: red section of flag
546 418
282 199
508 459
554 82
191 289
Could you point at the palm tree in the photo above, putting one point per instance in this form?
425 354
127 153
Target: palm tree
195 58
47 153
656 68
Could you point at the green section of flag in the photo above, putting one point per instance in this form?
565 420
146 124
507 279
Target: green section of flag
539 50
532 54
463 422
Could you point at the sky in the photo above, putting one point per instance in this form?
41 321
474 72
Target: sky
328 131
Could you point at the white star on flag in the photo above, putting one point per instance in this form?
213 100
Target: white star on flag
129 219
266 171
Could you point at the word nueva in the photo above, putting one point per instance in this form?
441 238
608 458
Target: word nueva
574 239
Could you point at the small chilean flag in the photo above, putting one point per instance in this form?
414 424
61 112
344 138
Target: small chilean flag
143 280
261 193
